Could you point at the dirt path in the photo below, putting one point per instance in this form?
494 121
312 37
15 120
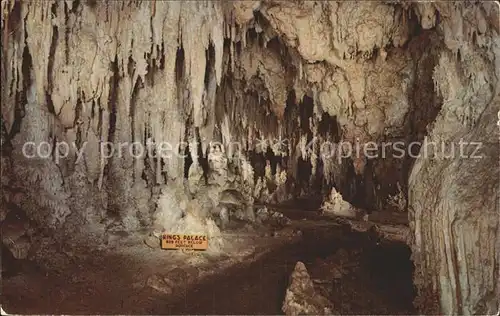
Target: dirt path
376 280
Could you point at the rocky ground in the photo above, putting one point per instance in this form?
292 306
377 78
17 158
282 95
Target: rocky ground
354 272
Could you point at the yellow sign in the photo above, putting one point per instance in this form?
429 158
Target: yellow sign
192 242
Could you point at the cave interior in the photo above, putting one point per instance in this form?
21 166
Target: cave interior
248 122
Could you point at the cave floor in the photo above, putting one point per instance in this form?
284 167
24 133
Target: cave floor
357 274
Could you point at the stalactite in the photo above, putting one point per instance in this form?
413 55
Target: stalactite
207 131
226 136
244 35
218 42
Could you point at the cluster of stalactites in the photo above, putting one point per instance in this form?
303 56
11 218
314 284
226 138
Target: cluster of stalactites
86 58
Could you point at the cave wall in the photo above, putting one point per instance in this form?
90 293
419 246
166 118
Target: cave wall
99 74
453 190
456 223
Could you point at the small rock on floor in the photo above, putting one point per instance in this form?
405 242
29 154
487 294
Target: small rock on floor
160 284
20 247
152 241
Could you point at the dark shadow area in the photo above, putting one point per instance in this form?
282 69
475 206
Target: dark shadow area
389 266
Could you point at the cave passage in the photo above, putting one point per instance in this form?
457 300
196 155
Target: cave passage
378 278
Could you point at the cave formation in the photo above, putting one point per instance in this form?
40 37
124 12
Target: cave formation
244 96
